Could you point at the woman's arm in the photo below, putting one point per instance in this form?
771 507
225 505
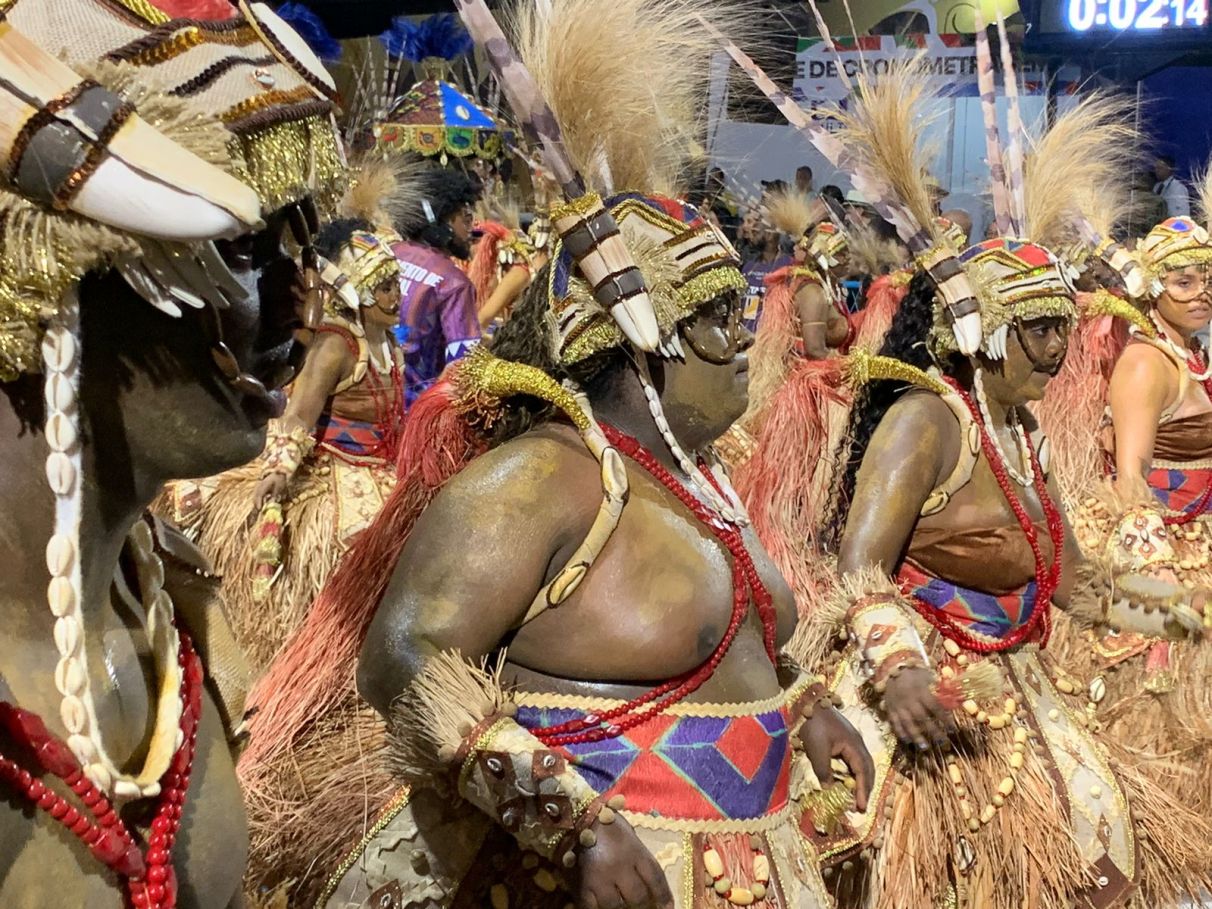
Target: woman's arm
329 361
1143 383
812 305
914 446
508 289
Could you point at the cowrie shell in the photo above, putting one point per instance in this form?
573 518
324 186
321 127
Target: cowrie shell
60 554
69 677
60 433
58 350
67 634
73 714
565 583
141 536
60 473
84 750
98 774
61 596
59 392
614 473
125 789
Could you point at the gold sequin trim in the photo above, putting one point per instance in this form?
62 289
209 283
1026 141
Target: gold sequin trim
709 285
1104 303
187 39
484 380
1197 255
862 367
579 207
273 98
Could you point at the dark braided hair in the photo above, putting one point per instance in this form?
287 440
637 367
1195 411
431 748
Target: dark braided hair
908 341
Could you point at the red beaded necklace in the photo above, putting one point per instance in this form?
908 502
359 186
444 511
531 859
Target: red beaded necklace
148 877
1047 577
746 586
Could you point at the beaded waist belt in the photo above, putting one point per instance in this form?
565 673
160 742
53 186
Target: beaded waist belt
700 768
1185 490
974 613
360 438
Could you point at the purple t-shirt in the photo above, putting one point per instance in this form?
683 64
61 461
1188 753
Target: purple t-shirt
438 321
755 273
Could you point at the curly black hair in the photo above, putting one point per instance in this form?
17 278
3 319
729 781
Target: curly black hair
908 341
445 190
336 233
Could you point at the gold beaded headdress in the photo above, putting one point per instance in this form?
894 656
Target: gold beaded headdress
362 265
1175 243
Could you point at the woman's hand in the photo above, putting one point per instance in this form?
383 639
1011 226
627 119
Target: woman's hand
826 735
914 711
618 872
271 488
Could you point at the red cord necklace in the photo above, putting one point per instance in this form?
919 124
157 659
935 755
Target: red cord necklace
148 876
746 585
1047 577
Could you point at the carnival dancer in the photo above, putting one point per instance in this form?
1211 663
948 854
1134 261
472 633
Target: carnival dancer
329 462
439 320
611 642
146 326
502 265
953 551
1153 516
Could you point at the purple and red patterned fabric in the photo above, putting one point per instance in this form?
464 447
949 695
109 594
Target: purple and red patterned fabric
360 438
686 767
438 316
973 611
1184 491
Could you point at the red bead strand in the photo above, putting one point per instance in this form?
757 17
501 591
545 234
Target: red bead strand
1047 577
747 586
148 877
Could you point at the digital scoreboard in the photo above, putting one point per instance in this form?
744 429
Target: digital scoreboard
1177 23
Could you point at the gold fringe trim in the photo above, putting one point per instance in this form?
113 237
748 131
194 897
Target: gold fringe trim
1104 303
285 162
485 380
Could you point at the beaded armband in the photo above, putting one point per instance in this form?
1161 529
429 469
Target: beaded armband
285 451
455 724
529 790
885 636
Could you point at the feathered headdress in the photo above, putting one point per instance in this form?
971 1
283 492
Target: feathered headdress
892 179
654 69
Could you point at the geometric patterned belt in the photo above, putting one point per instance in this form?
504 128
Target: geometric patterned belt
685 767
1181 490
986 616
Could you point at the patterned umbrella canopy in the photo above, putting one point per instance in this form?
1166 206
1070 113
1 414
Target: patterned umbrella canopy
435 119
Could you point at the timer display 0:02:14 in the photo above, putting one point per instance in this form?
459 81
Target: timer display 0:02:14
1136 15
